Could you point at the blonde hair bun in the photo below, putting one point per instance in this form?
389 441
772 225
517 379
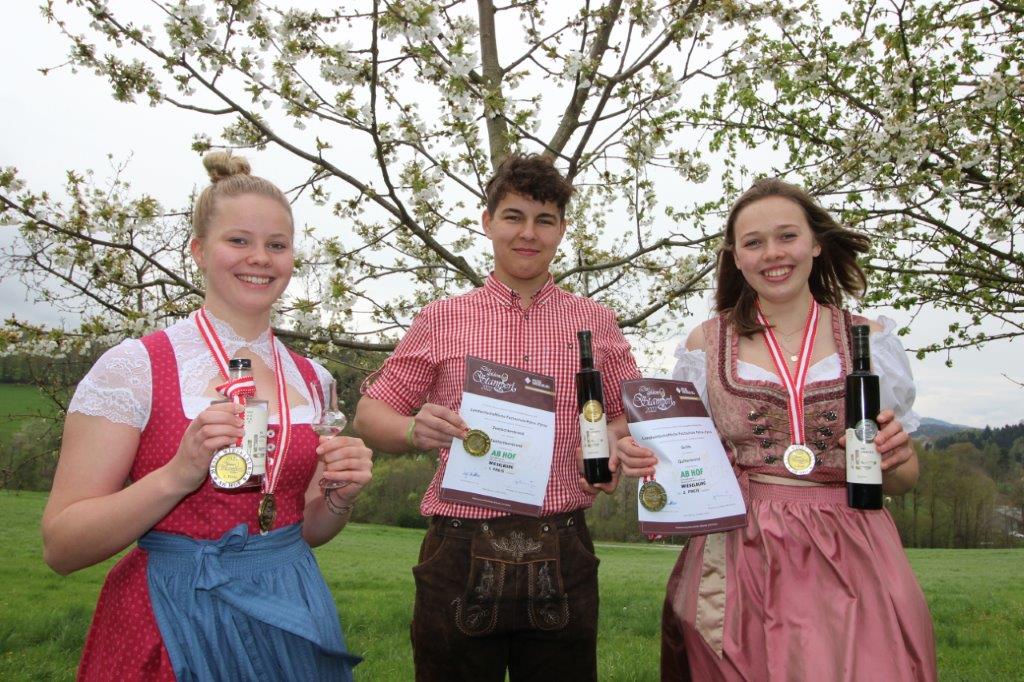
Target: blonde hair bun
223 164
230 176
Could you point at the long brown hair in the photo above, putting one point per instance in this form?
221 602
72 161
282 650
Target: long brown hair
834 272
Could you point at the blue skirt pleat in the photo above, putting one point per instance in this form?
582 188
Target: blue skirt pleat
245 607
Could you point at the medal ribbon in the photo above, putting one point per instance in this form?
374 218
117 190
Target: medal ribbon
237 390
794 384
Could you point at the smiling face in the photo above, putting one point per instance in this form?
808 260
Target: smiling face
525 235
775 248
246 254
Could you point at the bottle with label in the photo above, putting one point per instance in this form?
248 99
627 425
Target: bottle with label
593 423
243 465
863 463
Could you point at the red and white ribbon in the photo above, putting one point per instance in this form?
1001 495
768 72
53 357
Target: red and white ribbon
239 389
794 383
275 460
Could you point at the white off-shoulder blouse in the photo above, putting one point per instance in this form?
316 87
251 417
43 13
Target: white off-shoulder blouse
119 386
888 360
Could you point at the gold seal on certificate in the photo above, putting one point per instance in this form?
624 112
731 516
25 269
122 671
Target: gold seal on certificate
799 459
230 467
476 443
653 496
267 512
592 410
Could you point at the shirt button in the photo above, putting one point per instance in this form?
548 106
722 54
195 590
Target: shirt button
526 358
526 316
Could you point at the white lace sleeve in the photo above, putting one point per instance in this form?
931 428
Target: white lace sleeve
118 387
691 365
889 361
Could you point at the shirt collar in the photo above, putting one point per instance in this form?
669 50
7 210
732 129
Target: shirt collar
505 294
233 341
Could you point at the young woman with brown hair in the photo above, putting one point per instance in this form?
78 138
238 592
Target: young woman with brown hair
809 589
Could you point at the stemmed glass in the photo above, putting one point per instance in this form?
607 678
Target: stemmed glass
329 423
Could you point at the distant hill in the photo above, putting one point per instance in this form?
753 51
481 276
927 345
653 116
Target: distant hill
931 429
1003 437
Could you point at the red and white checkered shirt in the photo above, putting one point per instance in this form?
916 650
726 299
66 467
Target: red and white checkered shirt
430 363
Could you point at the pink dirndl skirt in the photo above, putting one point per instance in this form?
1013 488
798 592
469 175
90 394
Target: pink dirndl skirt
809 590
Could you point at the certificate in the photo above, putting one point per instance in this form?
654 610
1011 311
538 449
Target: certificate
504 461
694 490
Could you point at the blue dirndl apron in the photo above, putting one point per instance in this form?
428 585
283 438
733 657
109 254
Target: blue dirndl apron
245 607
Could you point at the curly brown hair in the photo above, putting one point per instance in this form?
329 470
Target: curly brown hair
834 272
531 175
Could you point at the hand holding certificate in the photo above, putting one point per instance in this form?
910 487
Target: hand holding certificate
503 461
693 490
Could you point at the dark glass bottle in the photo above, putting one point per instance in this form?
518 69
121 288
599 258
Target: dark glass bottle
593 423
863 463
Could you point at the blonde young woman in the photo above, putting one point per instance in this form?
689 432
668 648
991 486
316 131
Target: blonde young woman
206 594
809 589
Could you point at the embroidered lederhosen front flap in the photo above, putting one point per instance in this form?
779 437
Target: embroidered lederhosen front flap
517 562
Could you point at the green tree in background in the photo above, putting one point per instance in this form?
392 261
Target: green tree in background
906 117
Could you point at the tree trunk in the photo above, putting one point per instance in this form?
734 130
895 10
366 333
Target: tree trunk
497 128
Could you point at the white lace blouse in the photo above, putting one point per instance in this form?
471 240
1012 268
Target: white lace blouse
119 386
888 360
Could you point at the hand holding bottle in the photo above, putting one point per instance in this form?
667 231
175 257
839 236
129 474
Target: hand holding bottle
595 488
892 441
218 426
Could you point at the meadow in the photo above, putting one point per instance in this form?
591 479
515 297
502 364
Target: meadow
976 598
18 401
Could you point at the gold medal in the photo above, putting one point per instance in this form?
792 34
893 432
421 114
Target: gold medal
267 512
799 459
653 496
476 443
592 411
230 467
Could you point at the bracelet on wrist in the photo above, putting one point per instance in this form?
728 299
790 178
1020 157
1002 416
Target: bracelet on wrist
334 507
409 434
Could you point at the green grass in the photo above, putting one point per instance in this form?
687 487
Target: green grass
18 401
976 598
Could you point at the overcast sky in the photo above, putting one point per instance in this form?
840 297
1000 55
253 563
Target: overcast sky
65 121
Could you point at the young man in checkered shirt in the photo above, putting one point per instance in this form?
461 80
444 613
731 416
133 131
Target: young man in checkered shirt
498 591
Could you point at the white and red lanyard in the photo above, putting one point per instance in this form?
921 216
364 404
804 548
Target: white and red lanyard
794 383
238 389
